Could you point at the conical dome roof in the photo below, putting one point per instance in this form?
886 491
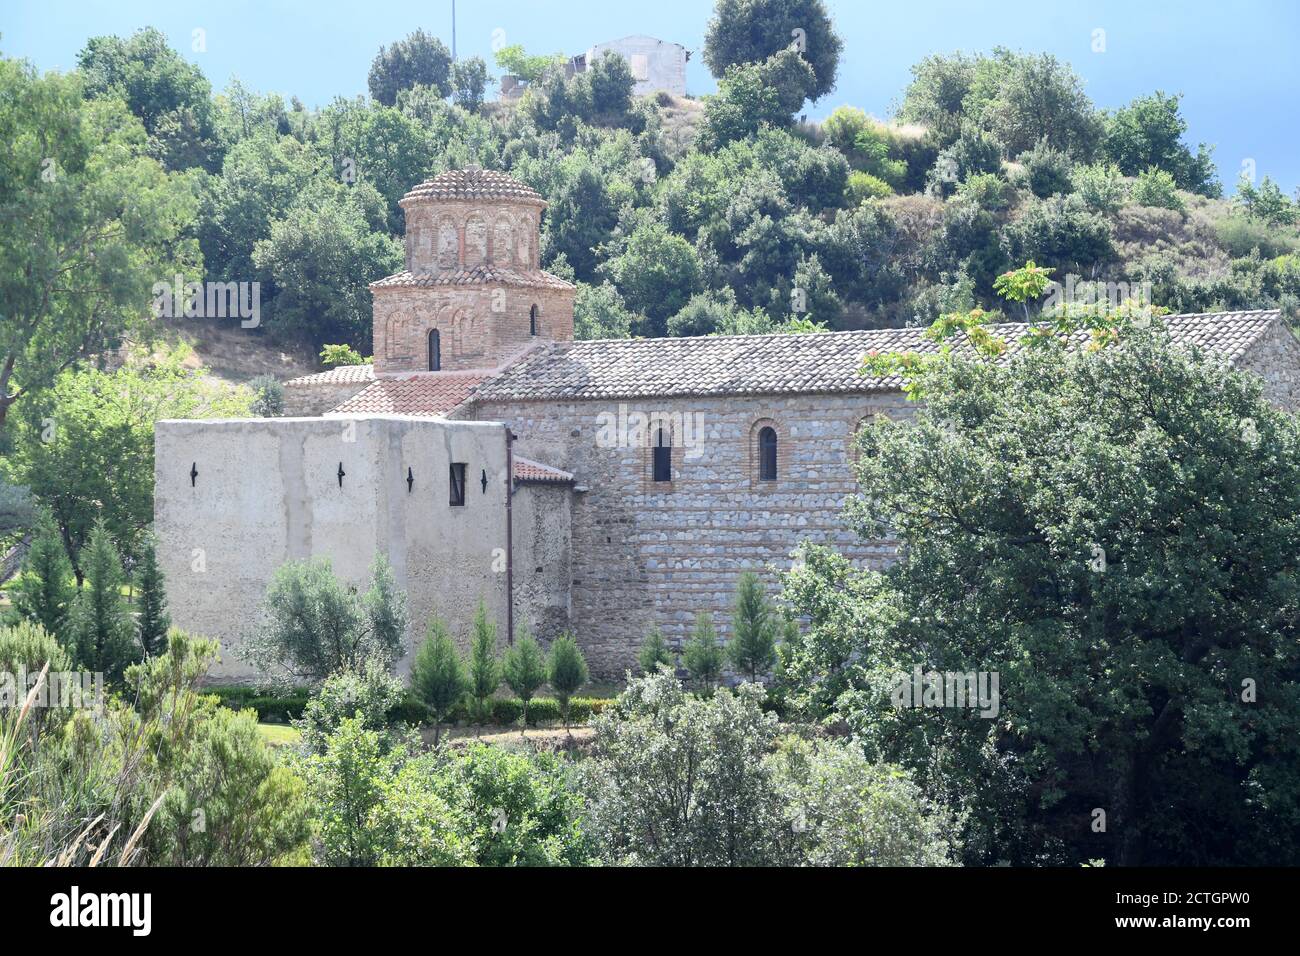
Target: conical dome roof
472 183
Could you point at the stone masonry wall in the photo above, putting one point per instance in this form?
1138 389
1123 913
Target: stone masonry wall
1276 359
646 553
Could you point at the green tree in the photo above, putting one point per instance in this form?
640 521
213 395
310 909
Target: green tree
469 81
484 668
45 591
417 60
703 655
1044 510
678 780
17 511
367 693
752 647
320 259
654 652
315 625
91 222
152 620
86 445
566 671
845 810
171 97
99 623
657 274
524 669
516 62
751 96
1149 132
438 674
750 31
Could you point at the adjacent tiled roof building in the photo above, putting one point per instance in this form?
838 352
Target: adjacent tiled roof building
827 362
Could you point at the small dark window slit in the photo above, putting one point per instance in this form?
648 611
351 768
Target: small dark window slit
484 481
663 459
410 480
341 474
457 483
767 454
194 473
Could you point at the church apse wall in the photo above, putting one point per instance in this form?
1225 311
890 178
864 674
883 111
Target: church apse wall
235 499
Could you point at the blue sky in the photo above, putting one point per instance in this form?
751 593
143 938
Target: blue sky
1237 63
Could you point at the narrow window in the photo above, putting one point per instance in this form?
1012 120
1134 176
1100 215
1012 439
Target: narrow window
767 454
457 482
532 321
663 458
435 351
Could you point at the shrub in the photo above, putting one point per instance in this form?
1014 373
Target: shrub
524 668
844 810
1100 185
863 186
438 675
566 671
367 693
268 396
1047 170
1155 187
315 625
988 191
654 652
1062 232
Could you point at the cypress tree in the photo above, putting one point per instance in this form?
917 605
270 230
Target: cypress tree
484 668
438 674
703 655
152 620
753 625
566 671
45 593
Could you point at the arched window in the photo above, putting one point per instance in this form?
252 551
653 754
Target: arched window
663 456
435 351
767 453
532 321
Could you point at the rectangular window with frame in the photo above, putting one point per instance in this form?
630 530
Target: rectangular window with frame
458 483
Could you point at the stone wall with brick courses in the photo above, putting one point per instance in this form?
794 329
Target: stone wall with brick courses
450 235
1276 359
645 555
302 401
479 326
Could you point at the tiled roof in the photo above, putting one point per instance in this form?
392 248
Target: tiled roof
430 394
529 278
472 182
778 364
342 375
534 472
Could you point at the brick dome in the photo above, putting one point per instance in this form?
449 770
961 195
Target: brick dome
473 183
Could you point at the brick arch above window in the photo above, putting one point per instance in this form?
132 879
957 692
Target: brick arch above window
754 455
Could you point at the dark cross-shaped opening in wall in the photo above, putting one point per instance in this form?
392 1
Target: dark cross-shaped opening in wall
194 473
341 474
410 480
484 480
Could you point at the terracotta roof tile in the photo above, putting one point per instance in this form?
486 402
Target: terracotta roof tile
777 364
534 472
472 182
428 394
528 278
341 375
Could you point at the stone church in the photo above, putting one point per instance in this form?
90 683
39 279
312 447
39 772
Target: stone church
602 487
